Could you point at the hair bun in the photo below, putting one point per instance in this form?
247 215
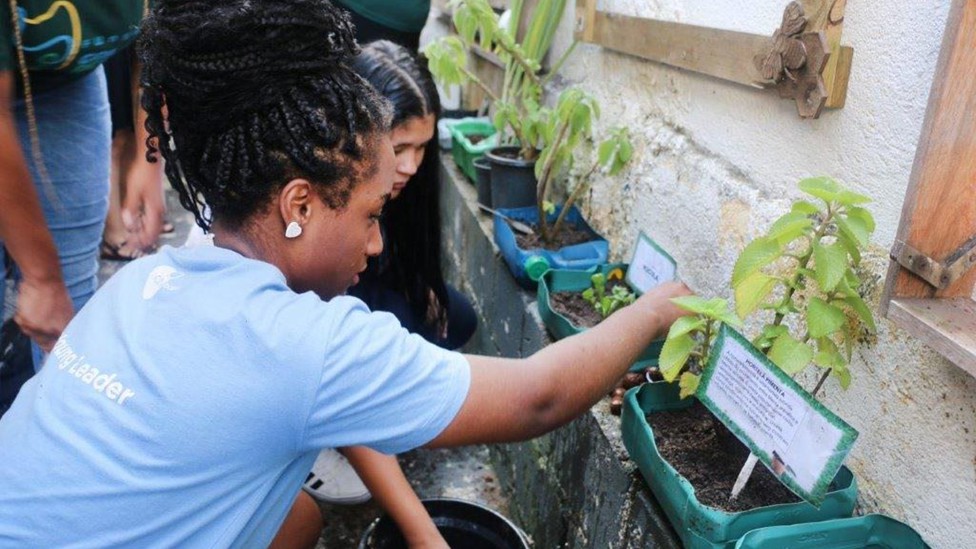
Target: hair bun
242 54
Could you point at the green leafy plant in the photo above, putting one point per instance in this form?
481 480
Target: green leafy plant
548 135
606 303
685 351
518 112
570 124
802 272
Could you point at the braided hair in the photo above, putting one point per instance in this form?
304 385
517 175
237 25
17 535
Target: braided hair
243 96
411 222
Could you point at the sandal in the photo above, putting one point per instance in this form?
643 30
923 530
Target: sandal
114 252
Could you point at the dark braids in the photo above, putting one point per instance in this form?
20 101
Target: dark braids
256 93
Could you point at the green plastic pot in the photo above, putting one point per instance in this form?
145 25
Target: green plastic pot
464 151
559 327
700 526
869 531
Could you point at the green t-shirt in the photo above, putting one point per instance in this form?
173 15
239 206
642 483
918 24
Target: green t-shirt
66 39
401 15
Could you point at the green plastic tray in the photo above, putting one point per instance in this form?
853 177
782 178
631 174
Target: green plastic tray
867 532
465 152
561 280
698 525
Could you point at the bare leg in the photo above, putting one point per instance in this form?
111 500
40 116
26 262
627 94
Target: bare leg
302 527
115 236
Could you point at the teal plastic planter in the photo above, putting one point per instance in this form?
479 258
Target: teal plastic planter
464 151
698 525
578 256
560 280
869 531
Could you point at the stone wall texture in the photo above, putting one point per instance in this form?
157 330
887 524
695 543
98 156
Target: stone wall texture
715 163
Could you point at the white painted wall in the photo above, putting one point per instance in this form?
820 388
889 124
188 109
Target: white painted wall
717 162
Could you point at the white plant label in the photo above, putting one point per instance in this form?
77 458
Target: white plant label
650 266
795 436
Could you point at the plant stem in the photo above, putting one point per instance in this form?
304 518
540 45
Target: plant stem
802 261
546 175
573 196
480 84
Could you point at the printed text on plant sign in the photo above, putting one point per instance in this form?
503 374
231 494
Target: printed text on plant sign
802 442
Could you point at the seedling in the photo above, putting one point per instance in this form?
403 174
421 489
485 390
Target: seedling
607 303
803 271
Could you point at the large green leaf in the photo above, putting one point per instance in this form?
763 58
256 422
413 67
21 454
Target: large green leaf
855 229
850 245
790 355
827 355
863 217
805 208
759 253
823 318
715 308
689 384
843 375
824 188
769 334
830 262
790 226
849 198
686 324
674 355
861 309
751 293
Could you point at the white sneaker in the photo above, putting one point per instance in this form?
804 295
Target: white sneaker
333 480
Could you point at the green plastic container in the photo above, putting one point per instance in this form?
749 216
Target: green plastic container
559 327
867 532
464 151
700 526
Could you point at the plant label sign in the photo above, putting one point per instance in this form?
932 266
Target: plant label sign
795 436
650 265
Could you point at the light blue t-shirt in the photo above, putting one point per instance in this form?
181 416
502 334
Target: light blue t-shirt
185 404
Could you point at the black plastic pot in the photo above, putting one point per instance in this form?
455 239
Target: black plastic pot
482 180
462 523
512 179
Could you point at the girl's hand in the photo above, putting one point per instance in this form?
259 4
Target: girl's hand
432 541
43 310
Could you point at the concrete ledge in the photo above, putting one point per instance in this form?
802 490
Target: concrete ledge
575 487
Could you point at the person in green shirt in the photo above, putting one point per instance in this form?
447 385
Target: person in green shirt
54 152
398 21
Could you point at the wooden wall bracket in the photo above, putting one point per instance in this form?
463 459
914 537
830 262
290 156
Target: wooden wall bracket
818 70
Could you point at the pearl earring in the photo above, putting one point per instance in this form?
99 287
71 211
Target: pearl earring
293 230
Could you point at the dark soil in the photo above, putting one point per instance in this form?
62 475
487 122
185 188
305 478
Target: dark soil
475 139
578 310
710 457
568 235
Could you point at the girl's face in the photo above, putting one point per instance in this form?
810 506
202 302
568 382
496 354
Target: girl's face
335 244
410 139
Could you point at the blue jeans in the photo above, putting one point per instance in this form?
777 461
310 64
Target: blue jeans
74 130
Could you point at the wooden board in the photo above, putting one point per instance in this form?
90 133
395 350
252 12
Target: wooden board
939 213
720 53
715 52
946 325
